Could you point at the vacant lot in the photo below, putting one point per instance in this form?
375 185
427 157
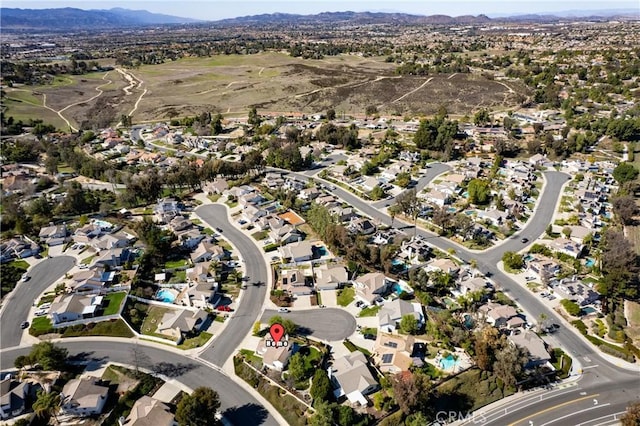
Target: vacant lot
632 313
273 82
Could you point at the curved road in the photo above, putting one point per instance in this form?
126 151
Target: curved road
237 405
328 324
15 310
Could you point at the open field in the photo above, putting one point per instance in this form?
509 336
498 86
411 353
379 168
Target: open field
273 82
632 313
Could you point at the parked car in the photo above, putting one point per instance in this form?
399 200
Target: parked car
40 313
359 303
25 278
525 240
224 308
24 325
283 310
219 230
370 336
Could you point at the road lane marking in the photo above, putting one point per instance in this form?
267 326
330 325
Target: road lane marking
546 410
573 414
614 415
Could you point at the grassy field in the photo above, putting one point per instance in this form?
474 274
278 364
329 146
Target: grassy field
274 83
346 296
114 301
632 310
152 320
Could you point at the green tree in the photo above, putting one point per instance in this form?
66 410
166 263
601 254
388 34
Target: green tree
321 389
49 356
479 191
377 193
403 179
297 368
323 415
481 117
47 404
289 326
371 110
411 391
254 119
199 408
572 308
513 261
331 114
632 416
409 324
509 364
625 172
216 124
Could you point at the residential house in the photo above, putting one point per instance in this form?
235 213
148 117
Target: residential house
352 378
166 209
191 238
86 233
207 250
343 214
53 235
538 160
543 266
447 266
177 323
395 353
89 280
309 194
252 213
294 282
13 396
19 247
83 397
371 286
284 233
109 241
297 252
436 197
416 250
369 183
218 186
274 358
567 247
575 290
497 315
148 411
470 285
391 314
179 223
252 198
73 307
113 257
273 180
536 347
361 225
330 277
495 217
293 185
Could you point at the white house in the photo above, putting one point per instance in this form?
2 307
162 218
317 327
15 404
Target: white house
391 314
330 277
371 286
352 378
83 397
272 357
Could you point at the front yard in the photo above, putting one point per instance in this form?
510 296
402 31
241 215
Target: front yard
152 320
345 296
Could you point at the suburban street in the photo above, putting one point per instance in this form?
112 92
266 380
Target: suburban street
241 322
237 405
327 324
16 309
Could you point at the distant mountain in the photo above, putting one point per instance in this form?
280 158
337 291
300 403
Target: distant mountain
72 18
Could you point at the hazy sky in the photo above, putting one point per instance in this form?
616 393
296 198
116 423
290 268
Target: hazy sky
213 9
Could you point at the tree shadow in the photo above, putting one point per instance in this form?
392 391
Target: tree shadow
248 414
453 401
304 331
173 370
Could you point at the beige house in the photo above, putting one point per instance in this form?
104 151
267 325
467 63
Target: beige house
392 353
83 397
177 323
148 411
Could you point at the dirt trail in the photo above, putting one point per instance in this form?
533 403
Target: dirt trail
98 89
133 82
412 91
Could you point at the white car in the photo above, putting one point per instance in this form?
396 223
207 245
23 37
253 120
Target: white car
40 313
25 278
283 310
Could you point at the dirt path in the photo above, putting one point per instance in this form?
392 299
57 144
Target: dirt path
260 73
133 82
349 85
508 88
98 89
412 91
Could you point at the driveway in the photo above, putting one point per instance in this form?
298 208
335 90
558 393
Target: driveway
323 324
329 298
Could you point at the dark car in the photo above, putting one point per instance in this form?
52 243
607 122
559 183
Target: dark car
219 230
370 336
24 325
525 240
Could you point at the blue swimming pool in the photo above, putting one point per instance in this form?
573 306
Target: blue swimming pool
589 310
166 296
590 262
468 322
448 363
321 250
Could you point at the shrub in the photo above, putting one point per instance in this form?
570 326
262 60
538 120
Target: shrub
572 308
580 326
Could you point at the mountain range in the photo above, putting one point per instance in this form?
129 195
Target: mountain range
79 19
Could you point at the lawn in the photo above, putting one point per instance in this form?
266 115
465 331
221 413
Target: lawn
178 277
117 328
47 298
151 321
195 342
260 235
345 296
87 260
40 325
178 263
251 356
370 311
352 348
114 301
20 264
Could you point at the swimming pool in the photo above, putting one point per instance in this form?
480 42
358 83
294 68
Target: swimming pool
167 296
102 224
448 363
468 321
401 287
589 263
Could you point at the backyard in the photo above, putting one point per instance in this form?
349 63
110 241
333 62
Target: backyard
151 321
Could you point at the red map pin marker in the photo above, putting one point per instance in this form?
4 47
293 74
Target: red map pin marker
276 331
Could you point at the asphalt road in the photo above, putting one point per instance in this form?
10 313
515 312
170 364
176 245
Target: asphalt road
237 405
16 309
250 306
325 324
